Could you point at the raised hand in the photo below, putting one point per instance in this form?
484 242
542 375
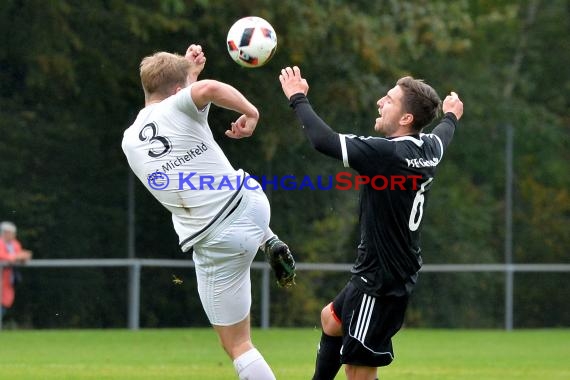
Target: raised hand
453 104
197 59
292 83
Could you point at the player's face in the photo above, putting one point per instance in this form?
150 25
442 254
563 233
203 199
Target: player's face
8 236
391 112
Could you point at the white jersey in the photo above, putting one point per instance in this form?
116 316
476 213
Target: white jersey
171 150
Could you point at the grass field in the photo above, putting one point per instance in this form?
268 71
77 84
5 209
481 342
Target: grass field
195 354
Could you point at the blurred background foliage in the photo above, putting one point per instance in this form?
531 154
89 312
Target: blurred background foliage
70 86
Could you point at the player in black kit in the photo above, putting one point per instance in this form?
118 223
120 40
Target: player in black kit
359 324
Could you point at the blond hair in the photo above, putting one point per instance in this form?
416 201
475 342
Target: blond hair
162 72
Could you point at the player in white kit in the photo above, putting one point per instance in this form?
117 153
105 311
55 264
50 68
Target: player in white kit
219 213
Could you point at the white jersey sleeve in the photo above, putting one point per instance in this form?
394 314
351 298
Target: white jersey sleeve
186 104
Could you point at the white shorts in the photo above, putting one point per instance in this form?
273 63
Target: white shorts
223 259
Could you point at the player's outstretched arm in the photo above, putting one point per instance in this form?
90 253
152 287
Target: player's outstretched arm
226 96
321 136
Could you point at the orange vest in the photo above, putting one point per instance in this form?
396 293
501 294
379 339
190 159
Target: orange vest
8 292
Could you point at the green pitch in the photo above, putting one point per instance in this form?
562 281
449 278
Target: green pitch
195 354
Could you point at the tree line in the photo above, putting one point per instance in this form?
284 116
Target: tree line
70 86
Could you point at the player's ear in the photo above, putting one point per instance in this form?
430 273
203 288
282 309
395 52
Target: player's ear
180 86
407 120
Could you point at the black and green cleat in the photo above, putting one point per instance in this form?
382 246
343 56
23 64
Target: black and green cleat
281 261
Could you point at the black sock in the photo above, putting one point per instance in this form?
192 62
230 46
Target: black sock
328 357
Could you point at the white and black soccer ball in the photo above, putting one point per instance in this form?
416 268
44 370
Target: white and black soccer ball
251 41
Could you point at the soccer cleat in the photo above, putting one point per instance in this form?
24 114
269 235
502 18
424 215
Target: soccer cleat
281 261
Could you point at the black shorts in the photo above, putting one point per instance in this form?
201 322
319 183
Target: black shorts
368 324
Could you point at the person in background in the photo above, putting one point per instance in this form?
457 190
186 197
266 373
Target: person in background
10 252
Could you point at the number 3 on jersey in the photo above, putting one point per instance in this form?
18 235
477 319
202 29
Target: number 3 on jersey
418 206
156 151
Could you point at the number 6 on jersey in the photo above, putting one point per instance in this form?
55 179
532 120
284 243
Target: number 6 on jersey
418 206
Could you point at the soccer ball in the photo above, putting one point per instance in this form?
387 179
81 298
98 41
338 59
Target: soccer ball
251 41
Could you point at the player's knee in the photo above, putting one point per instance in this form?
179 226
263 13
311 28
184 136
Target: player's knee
234 342
331 326
325 317
235 349
360 373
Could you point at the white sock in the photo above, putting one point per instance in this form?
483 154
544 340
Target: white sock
251 366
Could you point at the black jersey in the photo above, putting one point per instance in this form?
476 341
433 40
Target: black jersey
401 172
392 208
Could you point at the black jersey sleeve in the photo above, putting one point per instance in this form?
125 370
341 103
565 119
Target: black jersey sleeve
359 153
445 129
321 136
